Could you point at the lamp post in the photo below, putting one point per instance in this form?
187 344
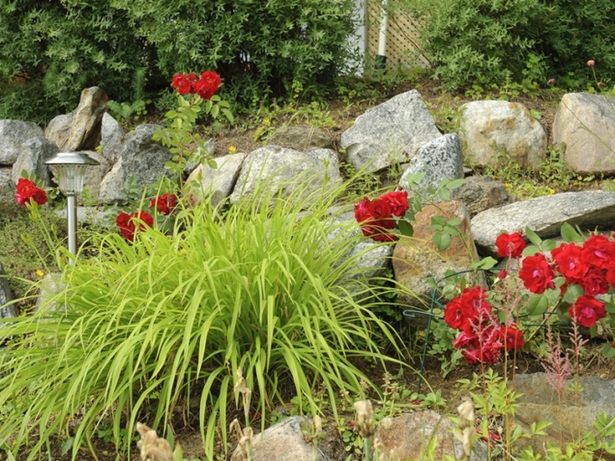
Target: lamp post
70 173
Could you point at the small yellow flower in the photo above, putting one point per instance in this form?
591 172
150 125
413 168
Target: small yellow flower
232 149
551 191
40 273
579 178
266 122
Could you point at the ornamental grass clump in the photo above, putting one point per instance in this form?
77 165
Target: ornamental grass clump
154 322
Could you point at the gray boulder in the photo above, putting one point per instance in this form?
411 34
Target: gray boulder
301 137
112 138
6 310
570 413
8 204
439 159
142 158
215 183
282 442
287 170
13 135
479 193
32 157
389 133
585 124
492 127
544 215
81 129
406 436
417 258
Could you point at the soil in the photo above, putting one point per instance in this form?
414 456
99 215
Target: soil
244 141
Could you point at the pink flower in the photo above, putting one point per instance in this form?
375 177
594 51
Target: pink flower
591 63
551 81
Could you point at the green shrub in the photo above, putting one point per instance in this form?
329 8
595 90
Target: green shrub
260 49
481 41
52 50
486 42
151 324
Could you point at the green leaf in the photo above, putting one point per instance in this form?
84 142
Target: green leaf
531 250
537 304
455 184
405 228
532 236
67 445
572 293
441 240
229 116
569 234
485 263
608 350
549 245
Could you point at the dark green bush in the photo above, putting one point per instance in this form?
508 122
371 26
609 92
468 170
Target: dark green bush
493 41
481 41
260 48
50 51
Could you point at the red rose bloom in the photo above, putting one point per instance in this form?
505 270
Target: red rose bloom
598 251
381 209
398 200
165 203
586 311
183 84
510 245
513 338
208 84
27 191
127 223
466 308
567 259
594 283
536 274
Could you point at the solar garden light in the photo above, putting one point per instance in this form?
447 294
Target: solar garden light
69 168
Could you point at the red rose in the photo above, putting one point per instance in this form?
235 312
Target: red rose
381 209
127 223
165 203
567 259
598 251
513 338
208 84
536 274
586 311
182 84
510 245
594 283
27 191
465 339
466 309
398 200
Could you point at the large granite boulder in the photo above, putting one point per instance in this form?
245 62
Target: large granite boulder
389 133
81 129
34 153
480 193
13 135
545 216
112 138
6 310
214 183
141 158
407 436
282 442
489 128
287 171
439 159
416 259
571 412
8 204
585 125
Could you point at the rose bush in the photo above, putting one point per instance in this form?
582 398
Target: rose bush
379 217
28 192
570 282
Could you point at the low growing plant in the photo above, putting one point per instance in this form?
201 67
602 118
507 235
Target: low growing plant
154 321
